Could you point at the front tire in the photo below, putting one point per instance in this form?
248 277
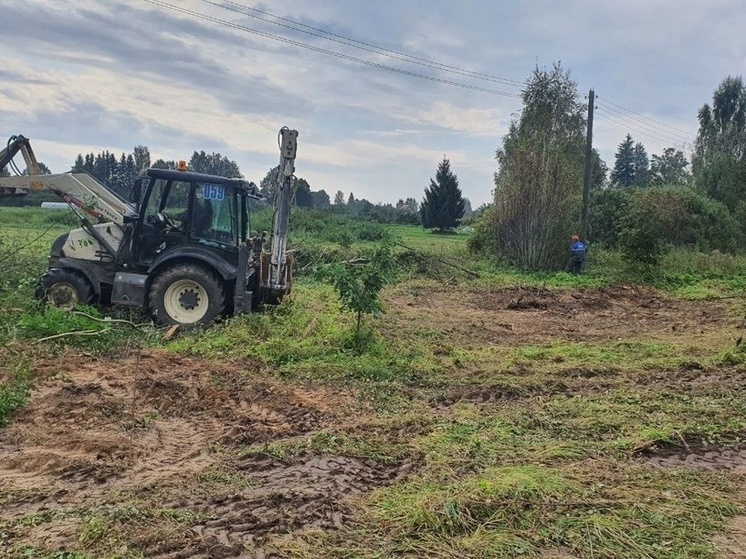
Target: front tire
65 289
186 294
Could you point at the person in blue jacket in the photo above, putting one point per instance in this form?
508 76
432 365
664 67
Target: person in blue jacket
578 252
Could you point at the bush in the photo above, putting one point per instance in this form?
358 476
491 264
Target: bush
607 210
642 237
675 216
484 234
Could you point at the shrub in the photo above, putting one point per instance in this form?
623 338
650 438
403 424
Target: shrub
358 284
607 210
675 216
484 234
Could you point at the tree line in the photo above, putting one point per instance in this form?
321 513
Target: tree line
646 205
119 173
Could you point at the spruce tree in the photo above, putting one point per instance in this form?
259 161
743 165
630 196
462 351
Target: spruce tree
623 173
642 166
79 164
443 205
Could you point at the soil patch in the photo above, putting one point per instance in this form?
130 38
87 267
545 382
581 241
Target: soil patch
95 431
285 500
535 315
732 459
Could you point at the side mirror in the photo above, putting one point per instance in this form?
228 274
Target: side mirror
136 191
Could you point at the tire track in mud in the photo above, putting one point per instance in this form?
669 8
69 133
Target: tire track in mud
99 433
285 500
732 542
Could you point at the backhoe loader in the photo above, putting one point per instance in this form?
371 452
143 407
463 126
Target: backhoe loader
179 247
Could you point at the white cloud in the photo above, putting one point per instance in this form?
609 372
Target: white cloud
87 75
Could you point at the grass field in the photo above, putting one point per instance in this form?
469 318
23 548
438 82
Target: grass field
488 414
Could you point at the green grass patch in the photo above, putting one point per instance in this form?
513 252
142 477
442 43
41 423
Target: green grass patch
14 391
521 510
308 337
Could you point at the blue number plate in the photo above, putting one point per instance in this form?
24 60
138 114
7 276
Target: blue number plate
213 192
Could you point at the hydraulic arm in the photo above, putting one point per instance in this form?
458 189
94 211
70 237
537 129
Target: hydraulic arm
278 276
14 145
78 189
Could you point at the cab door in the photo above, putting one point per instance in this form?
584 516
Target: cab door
165 220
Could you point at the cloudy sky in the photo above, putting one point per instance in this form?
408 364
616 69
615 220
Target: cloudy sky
179 75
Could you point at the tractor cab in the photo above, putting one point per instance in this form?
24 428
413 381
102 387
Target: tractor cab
180 208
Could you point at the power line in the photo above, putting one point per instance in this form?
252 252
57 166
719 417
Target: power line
342 56
671 136
355 43
646 124
612 118
602 99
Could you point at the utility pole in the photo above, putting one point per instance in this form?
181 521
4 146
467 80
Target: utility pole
587 175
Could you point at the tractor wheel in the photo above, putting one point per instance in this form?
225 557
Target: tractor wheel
186 294
65 289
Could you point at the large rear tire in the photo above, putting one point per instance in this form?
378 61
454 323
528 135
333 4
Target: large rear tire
186 294
65 289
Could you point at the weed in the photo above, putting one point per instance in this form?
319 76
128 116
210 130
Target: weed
14 392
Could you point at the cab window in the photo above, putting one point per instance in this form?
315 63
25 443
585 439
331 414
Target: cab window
215 215
170 198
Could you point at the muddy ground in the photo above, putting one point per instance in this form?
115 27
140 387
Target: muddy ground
155 443
519 316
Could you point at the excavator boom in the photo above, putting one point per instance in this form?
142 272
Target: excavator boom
278 273
18 144
79 189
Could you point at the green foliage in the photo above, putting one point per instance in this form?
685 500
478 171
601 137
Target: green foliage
623 173
599 170
214 164
118 174
33 199
92 332
483 239
14 392
537 194
359 284
642 166
443 205
331 228
642 237
669 168
676 216
719 162
607 210
302 190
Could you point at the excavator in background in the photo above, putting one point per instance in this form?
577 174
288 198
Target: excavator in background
179 247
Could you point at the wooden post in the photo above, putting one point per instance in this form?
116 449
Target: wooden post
588 161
